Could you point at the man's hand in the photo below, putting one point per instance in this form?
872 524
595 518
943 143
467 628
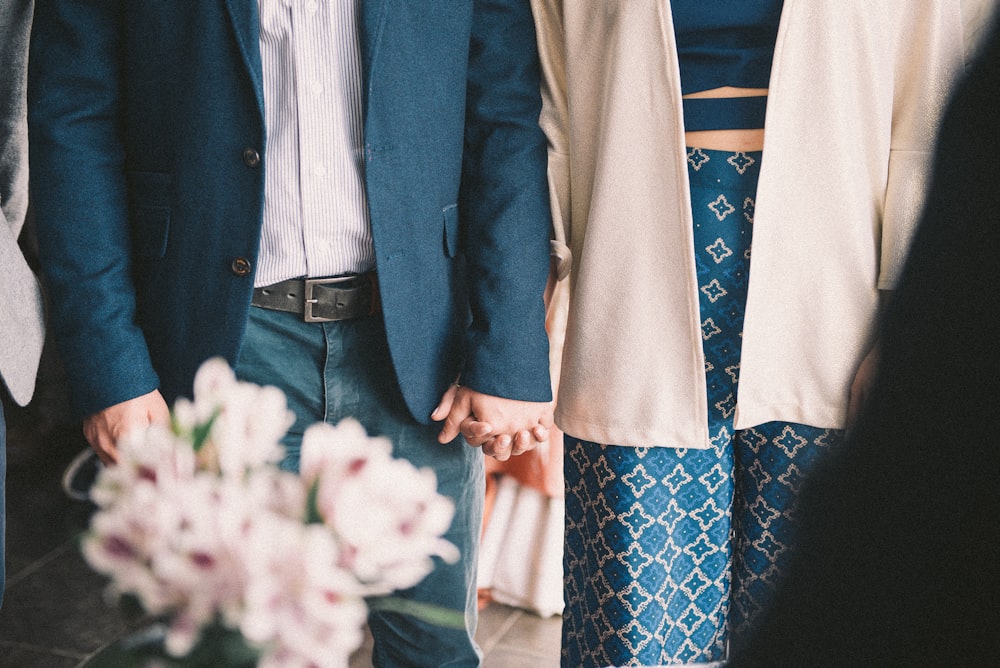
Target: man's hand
105 428
503 427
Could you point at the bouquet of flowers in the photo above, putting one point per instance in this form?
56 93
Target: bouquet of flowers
200 526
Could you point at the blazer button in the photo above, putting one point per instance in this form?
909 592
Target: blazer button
241 266
251 158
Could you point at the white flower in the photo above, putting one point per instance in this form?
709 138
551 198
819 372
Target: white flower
121 542
386 511
247 421
204 561
212 385
277 491
338 452
151 456
392 529
299 602
222 535
249 427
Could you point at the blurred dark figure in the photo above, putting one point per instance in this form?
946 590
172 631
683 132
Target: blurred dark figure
900 546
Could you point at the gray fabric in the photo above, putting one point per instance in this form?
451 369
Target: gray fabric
21 308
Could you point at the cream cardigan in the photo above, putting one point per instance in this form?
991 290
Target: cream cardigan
856 90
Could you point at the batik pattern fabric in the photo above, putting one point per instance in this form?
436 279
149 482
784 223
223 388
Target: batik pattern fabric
668 550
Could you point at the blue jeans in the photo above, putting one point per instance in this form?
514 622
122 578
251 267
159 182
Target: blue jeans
334 370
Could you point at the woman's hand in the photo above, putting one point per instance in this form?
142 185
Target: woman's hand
862 385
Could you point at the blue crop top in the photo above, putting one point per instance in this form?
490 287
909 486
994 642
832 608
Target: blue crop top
725 43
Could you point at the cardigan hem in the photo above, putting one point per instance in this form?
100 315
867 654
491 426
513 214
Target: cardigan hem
823 417
631 437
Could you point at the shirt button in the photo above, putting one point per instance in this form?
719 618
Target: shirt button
319 170
311 6
251 158
241 266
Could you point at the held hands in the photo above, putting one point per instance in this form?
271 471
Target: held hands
104 428
502 427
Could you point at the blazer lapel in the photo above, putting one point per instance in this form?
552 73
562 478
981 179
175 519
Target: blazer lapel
246 25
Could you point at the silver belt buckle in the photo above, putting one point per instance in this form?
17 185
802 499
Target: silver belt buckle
307 311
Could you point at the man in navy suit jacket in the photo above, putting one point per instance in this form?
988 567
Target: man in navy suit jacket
148 134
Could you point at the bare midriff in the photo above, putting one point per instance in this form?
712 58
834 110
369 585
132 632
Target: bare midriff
727 140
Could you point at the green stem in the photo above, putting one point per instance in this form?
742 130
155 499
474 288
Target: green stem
427 612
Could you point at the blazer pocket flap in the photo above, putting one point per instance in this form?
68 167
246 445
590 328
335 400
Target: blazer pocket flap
149 211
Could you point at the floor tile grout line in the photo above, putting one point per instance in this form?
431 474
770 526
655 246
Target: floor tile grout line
531 650
86 658
43 561
41 649
490 643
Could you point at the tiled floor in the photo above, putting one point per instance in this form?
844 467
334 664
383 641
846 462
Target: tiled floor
54 614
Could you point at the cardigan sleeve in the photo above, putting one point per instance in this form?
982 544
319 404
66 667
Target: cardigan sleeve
554 121
929 54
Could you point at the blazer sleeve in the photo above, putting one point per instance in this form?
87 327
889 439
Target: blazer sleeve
80 201
929 56
505 207
555 123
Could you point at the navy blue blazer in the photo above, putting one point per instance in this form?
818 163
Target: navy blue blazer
144 119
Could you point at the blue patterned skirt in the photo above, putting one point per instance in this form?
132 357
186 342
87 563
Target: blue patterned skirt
668 550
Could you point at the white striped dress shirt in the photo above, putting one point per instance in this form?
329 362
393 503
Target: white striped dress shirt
315 209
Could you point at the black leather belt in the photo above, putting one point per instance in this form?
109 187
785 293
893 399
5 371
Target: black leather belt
323 299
